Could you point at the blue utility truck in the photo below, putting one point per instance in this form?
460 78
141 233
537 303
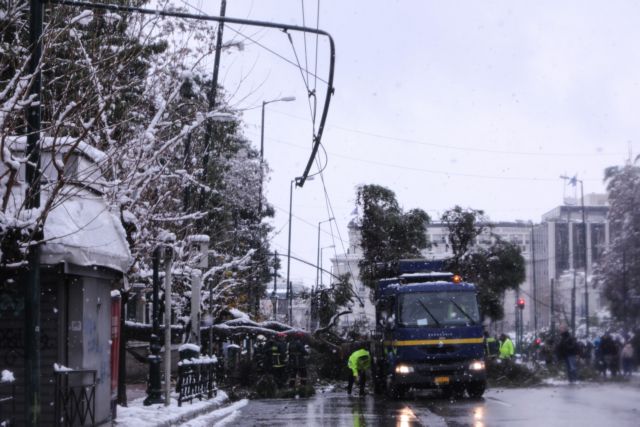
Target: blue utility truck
428 332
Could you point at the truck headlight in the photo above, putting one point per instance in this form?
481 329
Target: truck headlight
404 369
476 365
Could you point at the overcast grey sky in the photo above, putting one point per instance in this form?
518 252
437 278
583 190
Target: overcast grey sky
477 103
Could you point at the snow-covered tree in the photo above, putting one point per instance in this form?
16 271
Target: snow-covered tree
618 274
134 91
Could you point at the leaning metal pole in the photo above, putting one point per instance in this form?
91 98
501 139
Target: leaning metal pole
289 252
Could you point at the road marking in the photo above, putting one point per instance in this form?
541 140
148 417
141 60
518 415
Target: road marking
432 420
501 402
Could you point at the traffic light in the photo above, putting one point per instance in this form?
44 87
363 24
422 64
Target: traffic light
521 303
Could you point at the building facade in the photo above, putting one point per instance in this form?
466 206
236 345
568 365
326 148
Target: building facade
562 249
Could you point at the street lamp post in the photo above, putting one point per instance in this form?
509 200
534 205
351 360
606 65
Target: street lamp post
264 103
288 284
573 181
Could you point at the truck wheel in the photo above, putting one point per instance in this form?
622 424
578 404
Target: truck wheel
476 389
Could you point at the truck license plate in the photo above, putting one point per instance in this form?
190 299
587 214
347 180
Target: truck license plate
442 380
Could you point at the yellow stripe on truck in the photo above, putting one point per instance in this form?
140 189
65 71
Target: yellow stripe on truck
404 343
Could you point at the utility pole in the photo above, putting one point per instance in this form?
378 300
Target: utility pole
533 279
213 93
572 264
553 318
573 181
586 260
32 285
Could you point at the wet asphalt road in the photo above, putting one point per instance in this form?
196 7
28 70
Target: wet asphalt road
606 404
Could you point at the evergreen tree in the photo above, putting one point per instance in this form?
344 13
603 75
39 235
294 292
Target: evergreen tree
387 233
493 270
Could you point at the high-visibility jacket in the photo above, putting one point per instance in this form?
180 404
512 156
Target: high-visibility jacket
491 346
506 349
278 353
359 361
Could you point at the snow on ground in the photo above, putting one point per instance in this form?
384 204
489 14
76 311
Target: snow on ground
138 415
220 417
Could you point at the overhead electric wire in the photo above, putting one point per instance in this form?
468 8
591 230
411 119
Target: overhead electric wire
304 24
315 83
452 147
306 84
431 171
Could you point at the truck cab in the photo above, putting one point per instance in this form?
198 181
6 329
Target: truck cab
428 334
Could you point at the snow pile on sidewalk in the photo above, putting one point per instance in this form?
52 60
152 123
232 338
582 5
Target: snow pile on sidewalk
138 415
220 417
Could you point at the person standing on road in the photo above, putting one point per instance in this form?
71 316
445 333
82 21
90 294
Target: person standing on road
359 362
297 361
567 351
627 358
609 351
506 347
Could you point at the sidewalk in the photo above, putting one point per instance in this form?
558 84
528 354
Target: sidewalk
138 415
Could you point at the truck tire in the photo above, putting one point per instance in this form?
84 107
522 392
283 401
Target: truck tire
476 389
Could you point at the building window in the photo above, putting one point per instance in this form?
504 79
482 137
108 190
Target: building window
562 247
598 243
579 245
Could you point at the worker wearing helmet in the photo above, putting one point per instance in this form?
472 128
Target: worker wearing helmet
276 358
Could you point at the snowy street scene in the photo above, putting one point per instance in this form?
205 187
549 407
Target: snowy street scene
319 213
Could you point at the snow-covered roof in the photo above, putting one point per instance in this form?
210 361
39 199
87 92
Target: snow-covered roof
82 230
61 145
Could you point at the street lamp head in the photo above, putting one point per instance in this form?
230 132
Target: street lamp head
298 179
287 99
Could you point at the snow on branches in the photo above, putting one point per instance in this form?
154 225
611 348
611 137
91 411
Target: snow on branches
127 120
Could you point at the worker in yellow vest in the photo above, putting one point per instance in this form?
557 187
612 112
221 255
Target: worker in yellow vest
507 350
359 362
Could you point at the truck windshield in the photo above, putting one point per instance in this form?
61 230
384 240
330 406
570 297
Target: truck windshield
436 309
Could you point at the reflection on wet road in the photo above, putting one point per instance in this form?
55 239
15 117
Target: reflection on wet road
581 405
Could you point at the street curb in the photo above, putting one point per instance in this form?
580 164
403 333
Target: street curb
194 414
